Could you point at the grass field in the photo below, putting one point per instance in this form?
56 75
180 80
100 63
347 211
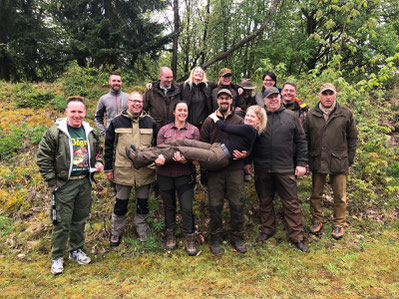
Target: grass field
359 266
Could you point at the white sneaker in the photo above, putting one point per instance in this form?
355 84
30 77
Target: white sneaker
57 266
79 256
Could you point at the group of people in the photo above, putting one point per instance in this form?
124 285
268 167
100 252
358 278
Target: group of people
160 137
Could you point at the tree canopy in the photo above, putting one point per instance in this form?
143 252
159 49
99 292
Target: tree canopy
38 38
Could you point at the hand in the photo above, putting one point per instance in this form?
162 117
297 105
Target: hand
160 160
236 109
349 170
300 170
148 86
248 169
99 167
239 155
110 175
240 91
214 117
178 157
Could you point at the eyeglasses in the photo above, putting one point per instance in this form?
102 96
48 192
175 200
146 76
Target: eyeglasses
227 76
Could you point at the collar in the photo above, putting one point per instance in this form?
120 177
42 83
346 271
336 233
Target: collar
113 92
173 126
222 116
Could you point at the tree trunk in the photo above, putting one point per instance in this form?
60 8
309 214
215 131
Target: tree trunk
176 37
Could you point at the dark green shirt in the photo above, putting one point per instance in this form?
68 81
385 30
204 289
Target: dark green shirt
80 151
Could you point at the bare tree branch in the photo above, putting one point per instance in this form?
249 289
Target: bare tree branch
242 42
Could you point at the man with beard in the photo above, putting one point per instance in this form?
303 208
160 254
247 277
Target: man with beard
111 104
227 182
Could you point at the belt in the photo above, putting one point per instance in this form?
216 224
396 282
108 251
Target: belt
78 177
226 150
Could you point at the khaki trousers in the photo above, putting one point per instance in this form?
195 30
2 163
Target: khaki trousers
338 184
210 156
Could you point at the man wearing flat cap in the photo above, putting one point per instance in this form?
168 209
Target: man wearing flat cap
332 137
279 155
226 183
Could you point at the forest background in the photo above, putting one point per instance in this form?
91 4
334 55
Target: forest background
51 49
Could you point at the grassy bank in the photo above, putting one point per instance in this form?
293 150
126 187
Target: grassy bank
361 265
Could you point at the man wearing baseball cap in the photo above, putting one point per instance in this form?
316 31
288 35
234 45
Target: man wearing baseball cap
332 137
279 156
225 76
226 183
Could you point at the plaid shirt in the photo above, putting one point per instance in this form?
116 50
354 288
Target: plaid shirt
168 133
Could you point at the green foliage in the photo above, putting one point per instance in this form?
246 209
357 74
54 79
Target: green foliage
59 102
5 226
30 47
84 82
28 95
19 138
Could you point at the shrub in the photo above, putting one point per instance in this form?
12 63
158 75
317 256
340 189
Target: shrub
27 95
84 82
59 102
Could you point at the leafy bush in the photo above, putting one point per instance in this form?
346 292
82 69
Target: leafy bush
59 102
27 95
84 82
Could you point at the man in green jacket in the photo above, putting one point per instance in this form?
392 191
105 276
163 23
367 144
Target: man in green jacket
69 153
332 137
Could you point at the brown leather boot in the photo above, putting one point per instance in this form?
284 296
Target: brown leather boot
170 239
190 244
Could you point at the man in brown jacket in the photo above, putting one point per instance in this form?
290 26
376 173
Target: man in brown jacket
161 98
332 137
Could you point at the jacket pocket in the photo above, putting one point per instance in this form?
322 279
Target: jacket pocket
146 137
314 160
339 162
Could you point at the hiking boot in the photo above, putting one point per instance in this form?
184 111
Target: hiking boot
247 178
115 240
79 256
316 228
57 266
131 153
239 246
338 232
264 236
301 246
216 247
170 239
190 245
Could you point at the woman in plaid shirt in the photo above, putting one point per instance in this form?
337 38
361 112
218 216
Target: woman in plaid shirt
177 177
